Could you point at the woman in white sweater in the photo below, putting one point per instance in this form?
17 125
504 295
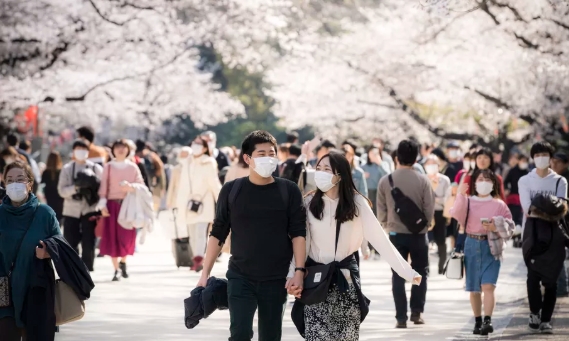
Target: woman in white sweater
339 317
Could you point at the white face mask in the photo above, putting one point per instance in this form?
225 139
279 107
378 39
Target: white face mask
197 149
432 169
466 165
473 165
323 181
484 187
265 166
453 153
541 162
17 191
523 165
80 154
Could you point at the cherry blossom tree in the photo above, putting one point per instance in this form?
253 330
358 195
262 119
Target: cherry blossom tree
475 65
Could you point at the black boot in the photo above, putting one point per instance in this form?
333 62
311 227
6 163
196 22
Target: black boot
123 269
477 325
487 327
116 278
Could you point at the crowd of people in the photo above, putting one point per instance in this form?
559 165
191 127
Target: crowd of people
311 210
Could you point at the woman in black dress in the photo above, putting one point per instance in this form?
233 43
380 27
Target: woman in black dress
50 178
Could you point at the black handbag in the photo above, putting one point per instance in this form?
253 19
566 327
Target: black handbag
318 278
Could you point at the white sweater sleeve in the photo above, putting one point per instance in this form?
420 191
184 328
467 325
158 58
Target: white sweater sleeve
525 195
374 233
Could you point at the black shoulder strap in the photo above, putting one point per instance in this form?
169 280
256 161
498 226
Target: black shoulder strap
284 191
338 225
390 178
237 184
557 186
467 212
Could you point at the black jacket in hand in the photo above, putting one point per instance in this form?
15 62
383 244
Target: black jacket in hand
204 301
39 308
544 242
70 267
88 183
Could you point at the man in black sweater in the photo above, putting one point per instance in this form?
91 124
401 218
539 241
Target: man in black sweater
267 220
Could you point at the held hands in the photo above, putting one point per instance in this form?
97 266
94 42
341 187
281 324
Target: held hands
41 253
417 279
295 284
127 187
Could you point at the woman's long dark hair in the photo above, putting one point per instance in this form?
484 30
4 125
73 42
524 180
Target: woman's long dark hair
487 152
347 209
53 164
486 174
204 143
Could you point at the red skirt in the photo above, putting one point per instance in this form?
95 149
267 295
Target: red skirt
116 241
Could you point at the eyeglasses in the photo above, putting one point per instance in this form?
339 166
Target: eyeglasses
19 181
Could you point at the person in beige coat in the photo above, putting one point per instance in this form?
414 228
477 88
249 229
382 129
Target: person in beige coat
193 191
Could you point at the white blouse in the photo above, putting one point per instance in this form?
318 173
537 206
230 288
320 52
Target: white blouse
321 236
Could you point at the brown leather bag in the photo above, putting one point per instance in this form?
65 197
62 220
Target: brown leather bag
68 307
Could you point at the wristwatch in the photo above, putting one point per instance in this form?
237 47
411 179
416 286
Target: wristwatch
300 269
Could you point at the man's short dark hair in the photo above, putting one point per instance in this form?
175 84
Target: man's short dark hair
257 137
25 145
351 143
325 144
292 137
13 140
294 150
140 145
407 153
542 147
80 143
87 133
523 156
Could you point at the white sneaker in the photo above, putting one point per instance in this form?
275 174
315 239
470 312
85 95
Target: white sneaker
546 328
534 323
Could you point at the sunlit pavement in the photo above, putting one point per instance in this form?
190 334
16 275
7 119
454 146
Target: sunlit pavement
149 305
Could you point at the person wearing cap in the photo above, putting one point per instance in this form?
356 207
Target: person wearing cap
78 215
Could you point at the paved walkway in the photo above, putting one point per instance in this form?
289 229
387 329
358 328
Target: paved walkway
149 305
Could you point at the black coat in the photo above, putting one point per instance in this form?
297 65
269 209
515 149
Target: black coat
544 243
222 162
39 308
204 301
69 266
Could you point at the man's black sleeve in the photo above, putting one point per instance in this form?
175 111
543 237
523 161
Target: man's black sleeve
221 223
297 213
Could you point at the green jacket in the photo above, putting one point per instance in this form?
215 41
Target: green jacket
14 221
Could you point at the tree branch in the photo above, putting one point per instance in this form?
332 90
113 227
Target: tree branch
435 35
107 19
484 7
499 103
511 8
559 23
526 42
55 55
120 79
130 4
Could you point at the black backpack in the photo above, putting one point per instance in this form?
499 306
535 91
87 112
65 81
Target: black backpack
410 214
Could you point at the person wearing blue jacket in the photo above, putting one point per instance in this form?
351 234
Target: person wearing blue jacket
24 224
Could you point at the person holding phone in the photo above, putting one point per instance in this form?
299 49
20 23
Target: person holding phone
486 224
